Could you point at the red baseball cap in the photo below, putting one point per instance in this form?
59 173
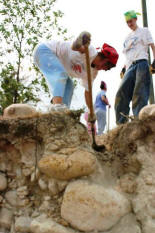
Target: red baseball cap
110 53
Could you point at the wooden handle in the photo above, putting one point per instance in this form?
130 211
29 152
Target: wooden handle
89 81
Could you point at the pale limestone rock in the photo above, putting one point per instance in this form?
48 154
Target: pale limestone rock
13 199
61 185
2 166
47 198
3 182
46 225
127 224
19 110
22 224
45 206
80 163
144 201
67 151
28 152
148 226
22 192
53 187
5 218
42 184
26 171
54 145
145 112
1 199
91 207
128 183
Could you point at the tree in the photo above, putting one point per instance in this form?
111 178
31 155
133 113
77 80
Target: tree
23 23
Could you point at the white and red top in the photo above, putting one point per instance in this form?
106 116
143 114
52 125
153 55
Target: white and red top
74 62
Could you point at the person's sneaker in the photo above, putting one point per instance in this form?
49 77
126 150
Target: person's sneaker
58 107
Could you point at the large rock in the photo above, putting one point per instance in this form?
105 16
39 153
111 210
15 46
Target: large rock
28 150
6 217
148 226
80 163
22 224
14 200
91 207
47 225
148 110
19 110
127 224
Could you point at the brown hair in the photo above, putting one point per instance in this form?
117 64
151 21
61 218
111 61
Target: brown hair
101 55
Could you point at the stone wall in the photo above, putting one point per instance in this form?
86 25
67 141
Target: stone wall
52 181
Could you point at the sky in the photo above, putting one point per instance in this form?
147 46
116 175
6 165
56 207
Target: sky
105 21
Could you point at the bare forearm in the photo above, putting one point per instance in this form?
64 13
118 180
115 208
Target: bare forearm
105 100
78 49
153 50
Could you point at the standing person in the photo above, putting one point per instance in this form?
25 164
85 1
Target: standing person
58 61
100 107
135 85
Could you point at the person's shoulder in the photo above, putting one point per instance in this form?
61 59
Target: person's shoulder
92 50
102 92
63 42
128 35
144 29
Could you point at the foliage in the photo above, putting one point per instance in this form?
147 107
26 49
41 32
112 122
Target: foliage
23 23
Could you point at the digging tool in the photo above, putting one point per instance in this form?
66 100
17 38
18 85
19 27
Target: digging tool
92 118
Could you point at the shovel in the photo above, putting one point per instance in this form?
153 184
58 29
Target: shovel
94 145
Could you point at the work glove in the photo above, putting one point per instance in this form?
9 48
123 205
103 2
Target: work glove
83 39
152 67
122 72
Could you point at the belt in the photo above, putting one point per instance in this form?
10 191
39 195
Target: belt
138 61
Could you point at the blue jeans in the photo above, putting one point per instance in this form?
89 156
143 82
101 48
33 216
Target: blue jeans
135 87
58 81
101 120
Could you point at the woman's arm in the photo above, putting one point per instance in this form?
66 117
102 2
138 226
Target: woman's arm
105 100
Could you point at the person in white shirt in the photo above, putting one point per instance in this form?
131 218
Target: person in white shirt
61 60
135 85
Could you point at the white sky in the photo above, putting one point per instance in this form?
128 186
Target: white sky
105 21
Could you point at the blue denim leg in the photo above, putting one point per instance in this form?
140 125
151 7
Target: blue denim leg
124 95
55 74
68 92
101 120
142 87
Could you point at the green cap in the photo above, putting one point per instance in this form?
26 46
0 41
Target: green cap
131 15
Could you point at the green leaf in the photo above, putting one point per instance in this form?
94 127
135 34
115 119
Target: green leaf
23 23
